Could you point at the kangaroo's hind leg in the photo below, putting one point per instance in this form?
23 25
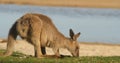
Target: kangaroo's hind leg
43 49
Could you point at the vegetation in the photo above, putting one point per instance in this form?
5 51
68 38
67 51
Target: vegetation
22 58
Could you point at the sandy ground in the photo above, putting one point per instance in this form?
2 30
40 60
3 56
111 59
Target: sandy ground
75 3
86 49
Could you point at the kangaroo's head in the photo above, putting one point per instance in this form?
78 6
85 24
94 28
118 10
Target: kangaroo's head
73 44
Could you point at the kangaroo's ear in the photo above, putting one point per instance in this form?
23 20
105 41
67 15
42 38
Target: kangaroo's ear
71 33
76 36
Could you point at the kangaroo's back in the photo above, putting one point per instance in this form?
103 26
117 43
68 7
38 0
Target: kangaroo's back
49 33
46 20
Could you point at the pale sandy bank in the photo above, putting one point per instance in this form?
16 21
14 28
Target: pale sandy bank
73 3
86 49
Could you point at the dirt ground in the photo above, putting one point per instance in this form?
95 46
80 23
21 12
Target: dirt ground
86 49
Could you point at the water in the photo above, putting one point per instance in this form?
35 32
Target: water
95 25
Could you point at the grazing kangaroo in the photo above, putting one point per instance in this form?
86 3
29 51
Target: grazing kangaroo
39 30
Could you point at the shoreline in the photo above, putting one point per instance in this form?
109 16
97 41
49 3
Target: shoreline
2 40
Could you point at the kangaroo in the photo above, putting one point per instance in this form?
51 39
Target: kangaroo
39 30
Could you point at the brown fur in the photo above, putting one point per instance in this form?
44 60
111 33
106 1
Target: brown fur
39 30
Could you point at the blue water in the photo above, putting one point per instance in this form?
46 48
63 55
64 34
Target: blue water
95 24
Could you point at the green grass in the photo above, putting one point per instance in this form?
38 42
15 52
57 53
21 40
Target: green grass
21 58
